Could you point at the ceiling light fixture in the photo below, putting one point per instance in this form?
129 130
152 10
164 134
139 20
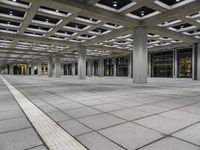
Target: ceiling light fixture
177 0
14 0
46 20
57 10
115 3
142 13
182 27
76 26
10 13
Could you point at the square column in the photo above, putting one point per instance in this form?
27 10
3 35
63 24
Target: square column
101 67
140 63
92 67
11 69
57 65
114 67
130 65
39 69
32 70
175 64
82 63
61 69
27 69
196 61
50 66
89 70
73 68
149 64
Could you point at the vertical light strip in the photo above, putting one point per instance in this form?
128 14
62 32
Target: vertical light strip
53 135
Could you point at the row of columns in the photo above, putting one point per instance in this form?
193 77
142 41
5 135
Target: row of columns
139 58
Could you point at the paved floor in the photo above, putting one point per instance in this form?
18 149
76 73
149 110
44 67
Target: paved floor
105 113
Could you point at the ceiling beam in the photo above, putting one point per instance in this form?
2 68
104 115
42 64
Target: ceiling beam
173 34
173 14
36 39
170 47
97 13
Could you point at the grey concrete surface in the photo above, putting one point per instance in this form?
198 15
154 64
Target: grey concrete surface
107 113
16 132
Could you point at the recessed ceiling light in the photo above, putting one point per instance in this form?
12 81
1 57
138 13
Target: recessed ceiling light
10 13
142 13
46 20
14 0
76 26
115 3
177 0
57 10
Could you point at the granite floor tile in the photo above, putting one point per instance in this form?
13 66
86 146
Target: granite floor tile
130 136
97 122
74 127
95 141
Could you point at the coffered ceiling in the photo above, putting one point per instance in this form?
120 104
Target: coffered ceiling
32 30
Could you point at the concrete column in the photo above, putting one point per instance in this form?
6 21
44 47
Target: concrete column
39 69
149 64
114 67
11 69
32 70
73 68
5 70
175 64
196 61
82 63
50 66
140 64
92 67
57 65
130 66
89 69
27 69
61 69
101 67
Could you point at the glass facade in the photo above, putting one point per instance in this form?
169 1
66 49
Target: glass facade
96 68
108 67
76 68
185 63
122 66
162 64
